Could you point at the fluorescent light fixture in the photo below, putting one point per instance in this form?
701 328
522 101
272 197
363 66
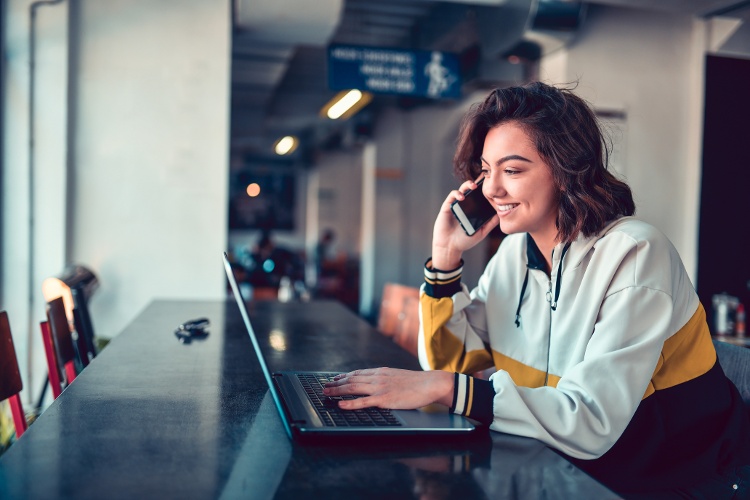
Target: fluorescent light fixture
345 104
342 106
286 145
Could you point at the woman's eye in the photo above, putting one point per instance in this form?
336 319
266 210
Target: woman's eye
510 171
484 173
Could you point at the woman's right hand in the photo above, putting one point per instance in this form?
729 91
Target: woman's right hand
449 240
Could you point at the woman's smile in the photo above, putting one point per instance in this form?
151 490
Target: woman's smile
504 209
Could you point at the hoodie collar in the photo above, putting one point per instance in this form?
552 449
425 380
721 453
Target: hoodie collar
534 257
535 260
576 251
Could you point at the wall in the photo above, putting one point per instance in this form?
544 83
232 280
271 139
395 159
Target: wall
339 199
44 167
151 152
146 158
650 67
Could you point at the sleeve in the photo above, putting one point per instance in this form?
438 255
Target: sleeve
472 397
592 404
453 334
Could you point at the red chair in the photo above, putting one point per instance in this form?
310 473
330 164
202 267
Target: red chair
53 370
399 315
10 377
58 346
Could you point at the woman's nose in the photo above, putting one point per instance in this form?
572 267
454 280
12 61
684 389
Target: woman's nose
493 186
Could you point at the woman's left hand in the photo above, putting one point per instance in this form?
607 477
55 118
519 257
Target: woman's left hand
392 388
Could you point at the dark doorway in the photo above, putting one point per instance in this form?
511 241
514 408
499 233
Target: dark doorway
724 232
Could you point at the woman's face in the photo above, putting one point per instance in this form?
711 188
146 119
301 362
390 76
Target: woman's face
519 184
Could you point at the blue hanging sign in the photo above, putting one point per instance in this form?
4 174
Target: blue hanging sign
421 73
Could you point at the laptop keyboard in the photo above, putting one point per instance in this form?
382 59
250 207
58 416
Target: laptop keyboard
333 416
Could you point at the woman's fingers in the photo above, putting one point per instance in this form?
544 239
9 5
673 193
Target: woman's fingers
459 194
348 383
391 388
359 403
367 371
357 383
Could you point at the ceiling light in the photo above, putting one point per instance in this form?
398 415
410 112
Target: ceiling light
286 145
342 106
345 104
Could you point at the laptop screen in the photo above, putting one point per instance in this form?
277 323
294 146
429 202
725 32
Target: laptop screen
259 354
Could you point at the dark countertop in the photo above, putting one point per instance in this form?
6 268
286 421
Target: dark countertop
153 418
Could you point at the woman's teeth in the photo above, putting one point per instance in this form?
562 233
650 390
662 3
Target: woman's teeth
505 208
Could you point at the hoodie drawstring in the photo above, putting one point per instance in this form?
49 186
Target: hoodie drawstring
557 286
559 276
520 298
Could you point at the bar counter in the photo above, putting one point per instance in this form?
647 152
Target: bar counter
151 417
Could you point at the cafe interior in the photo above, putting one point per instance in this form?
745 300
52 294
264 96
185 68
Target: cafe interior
313 143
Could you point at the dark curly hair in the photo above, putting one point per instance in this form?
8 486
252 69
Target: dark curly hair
567 136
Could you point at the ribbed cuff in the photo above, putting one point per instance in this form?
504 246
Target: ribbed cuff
439 283
473 398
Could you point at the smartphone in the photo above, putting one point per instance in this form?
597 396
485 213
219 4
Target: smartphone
474 210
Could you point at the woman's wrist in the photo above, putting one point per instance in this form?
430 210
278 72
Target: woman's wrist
445 387
445 260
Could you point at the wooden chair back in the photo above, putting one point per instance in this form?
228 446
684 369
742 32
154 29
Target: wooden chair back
65 355
10 376
398 317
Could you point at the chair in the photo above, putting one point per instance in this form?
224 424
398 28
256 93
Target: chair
10 377
735 361
75 285
399 315
53 370
265 293
58 346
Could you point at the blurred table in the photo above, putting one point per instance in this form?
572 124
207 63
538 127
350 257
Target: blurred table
153 418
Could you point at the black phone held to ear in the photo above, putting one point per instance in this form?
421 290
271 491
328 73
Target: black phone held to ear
473 211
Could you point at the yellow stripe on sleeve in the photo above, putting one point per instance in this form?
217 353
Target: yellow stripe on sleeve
444 350
471 396
686 355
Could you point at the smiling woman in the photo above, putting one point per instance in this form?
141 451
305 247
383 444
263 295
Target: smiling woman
586 314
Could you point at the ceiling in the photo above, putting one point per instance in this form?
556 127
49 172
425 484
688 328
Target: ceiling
279 79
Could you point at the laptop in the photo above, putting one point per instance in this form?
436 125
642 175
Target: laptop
306 412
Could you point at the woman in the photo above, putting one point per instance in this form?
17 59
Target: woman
599 340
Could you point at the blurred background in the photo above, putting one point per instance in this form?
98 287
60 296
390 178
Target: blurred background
143 138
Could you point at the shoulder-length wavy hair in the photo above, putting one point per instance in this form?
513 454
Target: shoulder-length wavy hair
567 136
